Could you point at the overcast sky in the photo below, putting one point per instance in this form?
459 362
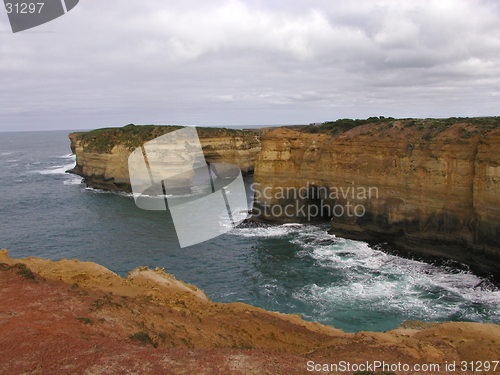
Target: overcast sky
241 62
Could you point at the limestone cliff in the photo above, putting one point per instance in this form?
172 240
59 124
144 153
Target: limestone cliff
102 155
432 187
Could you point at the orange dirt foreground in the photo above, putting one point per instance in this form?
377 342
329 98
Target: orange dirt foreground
72 317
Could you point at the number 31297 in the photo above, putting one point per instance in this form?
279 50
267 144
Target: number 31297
24 8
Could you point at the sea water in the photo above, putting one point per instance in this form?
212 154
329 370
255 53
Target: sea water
292 268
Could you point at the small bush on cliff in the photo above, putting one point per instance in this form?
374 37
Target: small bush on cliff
24 271
144 338
85 320
104 301
427 137
20 270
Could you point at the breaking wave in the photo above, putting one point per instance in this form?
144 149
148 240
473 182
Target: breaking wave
344 278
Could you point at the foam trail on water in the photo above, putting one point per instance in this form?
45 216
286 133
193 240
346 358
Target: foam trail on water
67 156
59 169
100 191
73 180
265 230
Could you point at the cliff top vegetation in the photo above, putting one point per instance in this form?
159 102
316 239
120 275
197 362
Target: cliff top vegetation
132 136
429 127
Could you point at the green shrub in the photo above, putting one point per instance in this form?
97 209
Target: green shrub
144 338
104 301
434 125
85 320
24 271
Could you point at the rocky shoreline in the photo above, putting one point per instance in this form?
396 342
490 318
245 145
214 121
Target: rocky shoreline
72 317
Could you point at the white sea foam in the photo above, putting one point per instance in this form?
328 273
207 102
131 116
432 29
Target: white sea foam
101 191
59 169
382 281
67 156
265 231
5 153
73 180
379 281
123 194
390 283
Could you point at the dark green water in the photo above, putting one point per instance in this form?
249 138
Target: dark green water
290 268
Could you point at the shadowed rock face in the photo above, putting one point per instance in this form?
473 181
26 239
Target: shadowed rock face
72 317
436 195
102 155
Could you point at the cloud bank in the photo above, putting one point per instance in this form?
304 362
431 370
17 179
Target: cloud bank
236 62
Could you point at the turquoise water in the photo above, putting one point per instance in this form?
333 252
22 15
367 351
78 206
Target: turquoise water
288 268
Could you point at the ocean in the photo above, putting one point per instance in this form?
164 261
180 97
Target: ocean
299 269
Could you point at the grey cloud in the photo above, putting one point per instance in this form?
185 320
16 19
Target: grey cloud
236 62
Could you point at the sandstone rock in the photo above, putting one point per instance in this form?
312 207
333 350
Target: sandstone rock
150 323
102 155
436 196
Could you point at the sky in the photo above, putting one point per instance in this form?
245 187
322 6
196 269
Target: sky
250 62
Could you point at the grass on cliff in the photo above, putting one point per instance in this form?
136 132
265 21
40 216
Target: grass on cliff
144 338
105 301
133 136
429 127
85 320
24 271
20 269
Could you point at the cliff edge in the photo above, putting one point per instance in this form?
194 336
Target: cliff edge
72 317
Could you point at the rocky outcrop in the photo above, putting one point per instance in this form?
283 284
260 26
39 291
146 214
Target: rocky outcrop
102 155
72 317
432 190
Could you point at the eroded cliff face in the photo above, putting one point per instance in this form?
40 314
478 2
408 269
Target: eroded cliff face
102 155
436 195
424 187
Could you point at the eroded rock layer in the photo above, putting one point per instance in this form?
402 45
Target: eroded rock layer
102 155
432 190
